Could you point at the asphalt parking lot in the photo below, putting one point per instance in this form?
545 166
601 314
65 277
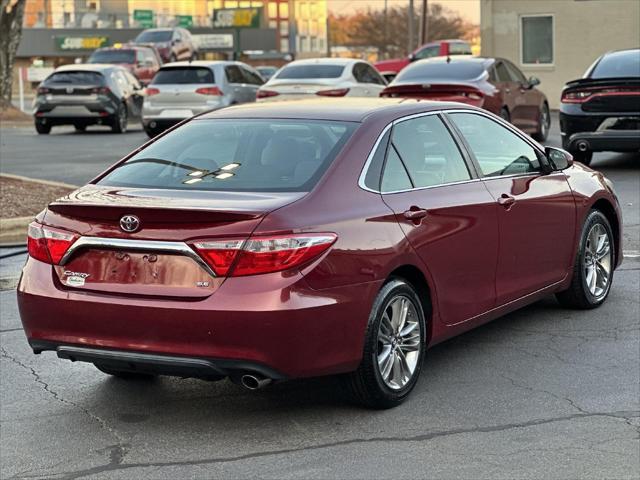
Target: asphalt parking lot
541 393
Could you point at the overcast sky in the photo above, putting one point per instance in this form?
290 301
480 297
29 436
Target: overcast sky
468 9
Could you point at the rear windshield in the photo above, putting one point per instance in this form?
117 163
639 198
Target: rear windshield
155 36
76 78
257 155
618 64
113 56
455 70
310 71
175 75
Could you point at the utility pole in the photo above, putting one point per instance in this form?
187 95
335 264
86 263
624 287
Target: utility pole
423 23
410 29
386 31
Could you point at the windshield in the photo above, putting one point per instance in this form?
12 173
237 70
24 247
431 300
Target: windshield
310 71
257 155
618 64
154 36
454 70
113 56
76 78
183 75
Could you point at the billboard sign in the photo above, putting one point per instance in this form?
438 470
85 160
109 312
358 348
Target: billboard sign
237 18
81 43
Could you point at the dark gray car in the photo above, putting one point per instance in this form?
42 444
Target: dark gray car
90 94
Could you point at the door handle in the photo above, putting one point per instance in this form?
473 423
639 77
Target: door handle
506 200
415 214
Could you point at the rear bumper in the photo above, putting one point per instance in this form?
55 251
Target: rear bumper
597 132
193 367
275 321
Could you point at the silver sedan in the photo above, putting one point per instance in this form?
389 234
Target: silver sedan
182 89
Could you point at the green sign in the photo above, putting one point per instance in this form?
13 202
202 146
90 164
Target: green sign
81 43
237 18
185 21
144 18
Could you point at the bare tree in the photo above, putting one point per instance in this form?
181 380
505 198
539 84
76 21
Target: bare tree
11 14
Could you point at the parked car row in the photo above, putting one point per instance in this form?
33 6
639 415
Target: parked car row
599 112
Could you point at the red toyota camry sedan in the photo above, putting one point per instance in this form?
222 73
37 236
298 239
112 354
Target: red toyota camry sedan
275 241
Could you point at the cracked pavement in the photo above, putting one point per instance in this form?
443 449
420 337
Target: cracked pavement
544 392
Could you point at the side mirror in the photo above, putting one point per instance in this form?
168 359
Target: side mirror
558 158
412 57
533 81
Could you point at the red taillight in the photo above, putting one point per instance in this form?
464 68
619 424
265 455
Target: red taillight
266 94
209 91
101 90
257 255
47 244
152 91
576 96
336 92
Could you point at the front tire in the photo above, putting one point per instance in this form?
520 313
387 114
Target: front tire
120 120
393 350
594 263
544 125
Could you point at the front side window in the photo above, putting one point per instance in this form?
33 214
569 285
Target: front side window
536 39
428 152
497 150
256 155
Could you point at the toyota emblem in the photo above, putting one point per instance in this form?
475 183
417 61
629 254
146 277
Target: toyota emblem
129 223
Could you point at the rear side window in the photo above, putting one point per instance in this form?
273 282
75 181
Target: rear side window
395 177
183 75
428 152
458 48
618 64
234 74
113 56
441 70
258 155
310 71
76 78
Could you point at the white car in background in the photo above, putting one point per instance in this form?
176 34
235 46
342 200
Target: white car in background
328 77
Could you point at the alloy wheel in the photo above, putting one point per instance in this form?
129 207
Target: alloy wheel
399 342
597 261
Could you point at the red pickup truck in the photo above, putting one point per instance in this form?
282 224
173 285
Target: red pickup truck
390 68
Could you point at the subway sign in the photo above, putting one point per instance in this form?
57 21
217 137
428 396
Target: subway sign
81 43
237 18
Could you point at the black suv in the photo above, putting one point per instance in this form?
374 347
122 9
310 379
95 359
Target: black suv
90 94
601 111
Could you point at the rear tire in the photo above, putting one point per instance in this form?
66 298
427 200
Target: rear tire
392 360
593 264
120 120
122 373
582 157
504 114
544 126
42 129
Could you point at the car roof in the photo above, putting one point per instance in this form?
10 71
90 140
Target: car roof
344 109
326 61
486 61
167 29
202 63
89 67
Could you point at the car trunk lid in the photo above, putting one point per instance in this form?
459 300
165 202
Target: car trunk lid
156 259
450 92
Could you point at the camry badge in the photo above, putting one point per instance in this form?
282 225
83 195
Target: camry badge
129 223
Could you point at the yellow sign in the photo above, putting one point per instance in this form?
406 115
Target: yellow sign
81 43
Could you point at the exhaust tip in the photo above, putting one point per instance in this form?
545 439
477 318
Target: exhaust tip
583 145
251 382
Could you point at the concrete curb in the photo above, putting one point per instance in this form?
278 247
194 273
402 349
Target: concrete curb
37 180
9 283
